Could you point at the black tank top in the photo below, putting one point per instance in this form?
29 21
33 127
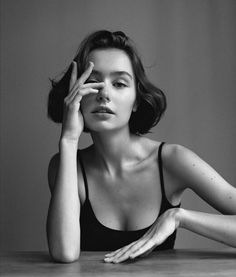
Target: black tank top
97 237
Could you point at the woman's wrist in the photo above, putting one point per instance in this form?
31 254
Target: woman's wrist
68 143
179 217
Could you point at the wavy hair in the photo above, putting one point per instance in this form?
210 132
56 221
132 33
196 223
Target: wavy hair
151 100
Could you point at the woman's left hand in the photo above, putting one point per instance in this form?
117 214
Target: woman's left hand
166 224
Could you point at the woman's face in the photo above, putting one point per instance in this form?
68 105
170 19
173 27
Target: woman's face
114 68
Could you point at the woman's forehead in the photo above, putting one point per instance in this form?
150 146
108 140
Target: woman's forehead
110 60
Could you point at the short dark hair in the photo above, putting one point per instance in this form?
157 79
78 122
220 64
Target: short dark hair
151 100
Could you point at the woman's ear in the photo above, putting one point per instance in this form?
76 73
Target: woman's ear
135 107
136 104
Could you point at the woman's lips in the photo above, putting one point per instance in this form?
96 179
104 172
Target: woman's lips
103 110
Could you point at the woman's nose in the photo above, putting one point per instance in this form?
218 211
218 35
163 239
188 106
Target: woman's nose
103 95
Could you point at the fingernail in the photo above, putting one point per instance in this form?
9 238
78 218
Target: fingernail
91 63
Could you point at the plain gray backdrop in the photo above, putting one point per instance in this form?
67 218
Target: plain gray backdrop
188 49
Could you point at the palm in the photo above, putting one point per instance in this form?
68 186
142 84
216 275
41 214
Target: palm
73 122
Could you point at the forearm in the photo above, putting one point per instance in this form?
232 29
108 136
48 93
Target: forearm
221 228
63 227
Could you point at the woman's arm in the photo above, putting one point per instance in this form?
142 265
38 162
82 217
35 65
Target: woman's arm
192 172
200 177
63 226
221 228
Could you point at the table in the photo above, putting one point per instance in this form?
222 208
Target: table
180 262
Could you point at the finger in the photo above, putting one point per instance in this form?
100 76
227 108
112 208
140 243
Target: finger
93 85
87 91
123 249
130 251
110 256
124 254
152 241
136 247
121 259
73 77
147 252
78 96
81 93
77 88
146 247
86 74
136 244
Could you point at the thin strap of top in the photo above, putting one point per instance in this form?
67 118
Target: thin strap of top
161 169
84 176
159 164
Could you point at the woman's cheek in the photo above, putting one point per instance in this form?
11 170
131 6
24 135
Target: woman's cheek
85 104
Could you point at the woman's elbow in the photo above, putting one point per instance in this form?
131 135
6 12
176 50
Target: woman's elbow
65 256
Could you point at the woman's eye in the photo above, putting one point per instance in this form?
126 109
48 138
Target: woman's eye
119 85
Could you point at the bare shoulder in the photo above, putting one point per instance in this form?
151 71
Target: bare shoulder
176 153
178 161
171 153
178 158
199 176
170 150
174 186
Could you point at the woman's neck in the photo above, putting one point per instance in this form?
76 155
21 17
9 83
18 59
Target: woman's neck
114 149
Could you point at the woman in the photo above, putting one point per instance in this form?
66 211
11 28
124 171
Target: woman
123 193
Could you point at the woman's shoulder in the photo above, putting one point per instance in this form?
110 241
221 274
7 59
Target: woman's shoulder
171 153
177 161
183 164
174 154
169 150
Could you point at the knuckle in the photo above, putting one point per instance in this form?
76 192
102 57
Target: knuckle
72 105
78 97
79 84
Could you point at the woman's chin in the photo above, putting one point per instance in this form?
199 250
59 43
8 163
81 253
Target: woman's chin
103 127
92 128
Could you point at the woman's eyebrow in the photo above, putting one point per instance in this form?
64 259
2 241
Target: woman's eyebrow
112 73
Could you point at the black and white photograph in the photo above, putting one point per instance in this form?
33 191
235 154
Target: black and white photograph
117 138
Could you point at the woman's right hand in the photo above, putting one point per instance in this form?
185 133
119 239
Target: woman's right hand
73 122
